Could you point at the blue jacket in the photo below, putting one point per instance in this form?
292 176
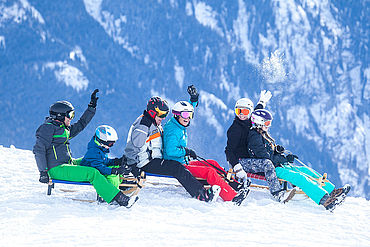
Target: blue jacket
97 157
175 139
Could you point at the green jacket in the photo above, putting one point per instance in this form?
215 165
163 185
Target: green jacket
52 141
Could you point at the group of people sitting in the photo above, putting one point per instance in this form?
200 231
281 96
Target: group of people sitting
164 151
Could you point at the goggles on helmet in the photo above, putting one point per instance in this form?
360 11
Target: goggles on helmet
160 113
184 114
105 143
267 123
244 111
70 114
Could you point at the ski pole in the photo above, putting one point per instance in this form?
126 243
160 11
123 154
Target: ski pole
217 168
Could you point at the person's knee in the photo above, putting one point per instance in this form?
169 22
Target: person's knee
269 166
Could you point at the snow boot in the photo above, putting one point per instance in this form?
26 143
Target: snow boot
209 195
283 196
242 194
329 202
341 193
124 200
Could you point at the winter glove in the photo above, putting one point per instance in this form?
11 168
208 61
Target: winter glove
117 161
191 153
279 149
44 177
194 95
94 99
239 172
122 170
265 96
290 157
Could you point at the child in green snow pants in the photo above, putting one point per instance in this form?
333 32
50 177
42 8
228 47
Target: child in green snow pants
105 186
301 176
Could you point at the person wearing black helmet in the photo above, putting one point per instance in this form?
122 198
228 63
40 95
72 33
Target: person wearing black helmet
144 149
53 155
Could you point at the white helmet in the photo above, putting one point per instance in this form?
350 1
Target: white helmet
183 107
106 135
244 103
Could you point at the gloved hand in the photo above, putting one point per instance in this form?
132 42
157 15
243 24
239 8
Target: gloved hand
44 177
265 96
279 149
94 99
239 172
194 95
117 161
290 157
120 161
191 153
122 170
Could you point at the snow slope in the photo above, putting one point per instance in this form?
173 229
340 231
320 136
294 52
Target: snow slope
164 216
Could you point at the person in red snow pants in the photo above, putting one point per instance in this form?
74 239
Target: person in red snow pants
201 170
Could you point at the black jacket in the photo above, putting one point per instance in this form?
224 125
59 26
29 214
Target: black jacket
52 141
237 139
260 148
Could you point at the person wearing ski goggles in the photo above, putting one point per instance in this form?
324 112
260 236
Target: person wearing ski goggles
175 148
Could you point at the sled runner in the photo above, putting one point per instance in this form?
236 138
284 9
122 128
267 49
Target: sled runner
129 186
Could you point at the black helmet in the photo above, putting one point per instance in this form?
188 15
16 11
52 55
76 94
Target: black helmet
61 109
157 107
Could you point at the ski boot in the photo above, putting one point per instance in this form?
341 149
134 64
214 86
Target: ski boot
329 202
341 193
242 193
209 195
124 200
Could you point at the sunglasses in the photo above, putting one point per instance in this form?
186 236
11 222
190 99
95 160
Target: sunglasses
243 111
70 114
161 114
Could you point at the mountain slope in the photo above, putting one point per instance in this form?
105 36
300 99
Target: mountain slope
164 216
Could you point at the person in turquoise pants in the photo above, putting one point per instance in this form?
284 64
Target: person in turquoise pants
262 146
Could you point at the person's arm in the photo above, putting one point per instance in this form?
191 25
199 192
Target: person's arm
86 116
96 161
256 146
233 142
44 137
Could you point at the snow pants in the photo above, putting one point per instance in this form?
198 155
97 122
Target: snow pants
200 169
262 165
302 177
75 173
177 170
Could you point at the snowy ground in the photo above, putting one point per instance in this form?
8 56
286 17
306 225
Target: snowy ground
164 216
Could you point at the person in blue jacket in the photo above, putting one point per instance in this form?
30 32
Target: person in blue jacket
97 157
175 139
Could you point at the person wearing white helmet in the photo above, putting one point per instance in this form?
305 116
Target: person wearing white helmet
175 148
237 146
265 153
144 149
97 157
237 133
